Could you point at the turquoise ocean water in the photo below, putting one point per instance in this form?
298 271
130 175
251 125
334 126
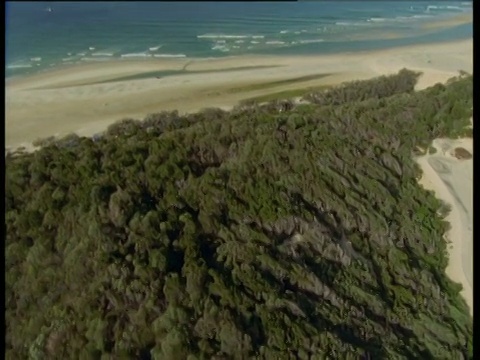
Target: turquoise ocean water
42 35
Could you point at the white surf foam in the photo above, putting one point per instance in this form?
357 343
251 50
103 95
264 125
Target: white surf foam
348 23
18 66
311 41
275 42
135 55
95 59
444 7
377 19
222 36
399 18
170 55
229 37
102 53
155 48
222 48
422 16
450 7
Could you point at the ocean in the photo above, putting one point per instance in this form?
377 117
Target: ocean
41 35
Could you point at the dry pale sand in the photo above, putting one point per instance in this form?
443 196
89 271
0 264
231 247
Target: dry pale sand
452 181
73 99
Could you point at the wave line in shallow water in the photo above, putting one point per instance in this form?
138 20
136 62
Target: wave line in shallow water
223 36
170 55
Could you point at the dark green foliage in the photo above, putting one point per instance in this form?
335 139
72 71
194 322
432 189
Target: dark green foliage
268 232
377 88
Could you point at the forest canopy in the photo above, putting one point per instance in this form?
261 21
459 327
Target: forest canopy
276 231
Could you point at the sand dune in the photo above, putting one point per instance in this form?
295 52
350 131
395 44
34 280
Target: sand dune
452 181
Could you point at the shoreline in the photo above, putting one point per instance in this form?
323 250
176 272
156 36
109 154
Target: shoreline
91 107
173 63
87 98
54 102
438 24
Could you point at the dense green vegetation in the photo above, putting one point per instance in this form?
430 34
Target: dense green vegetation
255 233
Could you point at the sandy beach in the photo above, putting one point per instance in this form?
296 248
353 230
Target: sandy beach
452 181
86 98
